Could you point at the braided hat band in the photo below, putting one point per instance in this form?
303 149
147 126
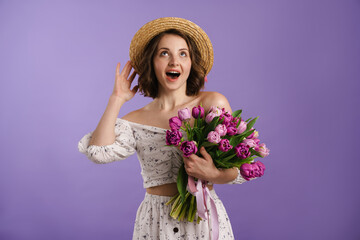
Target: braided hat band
147 32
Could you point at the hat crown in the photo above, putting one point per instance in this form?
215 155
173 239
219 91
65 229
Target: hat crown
151 29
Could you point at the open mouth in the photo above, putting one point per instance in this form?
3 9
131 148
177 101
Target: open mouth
173 74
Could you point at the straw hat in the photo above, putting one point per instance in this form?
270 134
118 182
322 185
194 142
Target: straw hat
153 28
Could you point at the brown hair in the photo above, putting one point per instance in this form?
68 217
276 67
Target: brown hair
148 83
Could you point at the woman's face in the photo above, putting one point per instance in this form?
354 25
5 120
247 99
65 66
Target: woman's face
172 63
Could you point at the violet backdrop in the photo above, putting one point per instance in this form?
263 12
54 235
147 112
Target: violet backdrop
295 64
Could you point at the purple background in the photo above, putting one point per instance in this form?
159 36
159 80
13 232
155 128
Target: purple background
295 64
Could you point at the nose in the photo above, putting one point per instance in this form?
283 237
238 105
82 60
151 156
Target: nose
174 61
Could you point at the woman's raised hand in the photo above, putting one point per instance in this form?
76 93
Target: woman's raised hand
123 82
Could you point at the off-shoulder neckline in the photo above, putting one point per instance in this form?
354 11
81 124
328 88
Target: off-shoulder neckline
144 125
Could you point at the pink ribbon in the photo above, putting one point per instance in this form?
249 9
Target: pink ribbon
202 194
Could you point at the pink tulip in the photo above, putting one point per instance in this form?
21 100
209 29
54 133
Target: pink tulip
184 114
221 129
242 127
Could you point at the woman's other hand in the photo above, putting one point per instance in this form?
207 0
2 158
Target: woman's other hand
123 82
202 168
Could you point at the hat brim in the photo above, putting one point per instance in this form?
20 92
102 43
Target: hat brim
147 32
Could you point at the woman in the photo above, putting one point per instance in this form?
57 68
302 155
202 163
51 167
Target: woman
172 57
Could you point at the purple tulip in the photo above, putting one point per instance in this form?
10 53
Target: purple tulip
255 169
247 171
184 114
224 145
231 131
227 118
175 123
242 151
252 135
221 129
235 121
261 168
213 137
188 148
173 137
198 110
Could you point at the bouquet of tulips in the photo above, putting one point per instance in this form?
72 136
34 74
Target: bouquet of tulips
230 141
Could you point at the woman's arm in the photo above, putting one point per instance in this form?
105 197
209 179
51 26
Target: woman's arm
104 133
204 168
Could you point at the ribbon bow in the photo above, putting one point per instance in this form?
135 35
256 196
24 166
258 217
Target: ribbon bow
202 194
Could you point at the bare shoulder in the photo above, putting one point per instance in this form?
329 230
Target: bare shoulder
138 116
209 99
133 116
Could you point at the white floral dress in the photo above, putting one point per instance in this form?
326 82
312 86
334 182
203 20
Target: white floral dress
159 165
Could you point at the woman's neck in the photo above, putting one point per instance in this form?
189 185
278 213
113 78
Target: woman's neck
168 101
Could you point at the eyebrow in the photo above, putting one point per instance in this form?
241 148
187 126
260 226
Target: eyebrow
181 49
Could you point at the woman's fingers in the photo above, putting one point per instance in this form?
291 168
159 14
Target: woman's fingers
205 154
132 77
117 71
135 89
122 73
126 70
123 81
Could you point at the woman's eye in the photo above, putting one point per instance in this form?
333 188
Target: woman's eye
183 54
164 53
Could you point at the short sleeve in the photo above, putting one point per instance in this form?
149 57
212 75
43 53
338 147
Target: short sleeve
123 147
239 179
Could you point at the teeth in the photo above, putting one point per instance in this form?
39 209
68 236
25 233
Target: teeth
173 74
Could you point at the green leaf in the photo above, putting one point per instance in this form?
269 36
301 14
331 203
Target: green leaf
253 152
235 140
182 180
212 125
192 209
198 120
202 123
242 161
211 153
237 125
218 153
208 144
198 135
237 113
251 123
247 133
228 158
219 164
